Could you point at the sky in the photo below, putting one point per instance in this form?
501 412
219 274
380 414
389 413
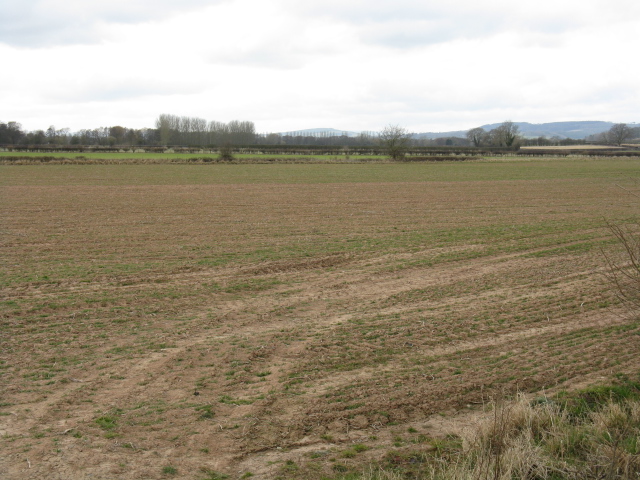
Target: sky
429 65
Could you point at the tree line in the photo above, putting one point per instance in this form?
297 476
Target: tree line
616 135
11 133
190 131
174 130
169 130
506 135
396 140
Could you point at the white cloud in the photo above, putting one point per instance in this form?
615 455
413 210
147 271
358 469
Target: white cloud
346 64
46 23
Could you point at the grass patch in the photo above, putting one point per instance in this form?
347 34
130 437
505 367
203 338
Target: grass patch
212 475
169 470
165 174
107 422
587 434
206 411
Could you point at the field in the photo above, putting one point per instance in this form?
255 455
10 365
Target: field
569 147
197 321
154 157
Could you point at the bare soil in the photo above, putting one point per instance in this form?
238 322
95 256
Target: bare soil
265 329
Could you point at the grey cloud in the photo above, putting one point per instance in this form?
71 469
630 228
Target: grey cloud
277 53
413 98
260 57
450 101
110 91
361 12
408 23
417 33
45 23
441 29
619 92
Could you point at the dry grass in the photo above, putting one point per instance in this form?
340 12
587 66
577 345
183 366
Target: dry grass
541 439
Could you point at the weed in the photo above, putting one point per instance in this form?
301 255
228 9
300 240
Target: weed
107 422
231 401
338 467
212 474
169 470
206 411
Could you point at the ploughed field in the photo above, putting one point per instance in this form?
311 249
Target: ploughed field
210 320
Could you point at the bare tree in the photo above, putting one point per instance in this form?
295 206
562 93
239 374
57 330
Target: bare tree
175 130
624 273
165 124
624 263
506 134
200 131
241 133
476 135
395 140
618 133
218 132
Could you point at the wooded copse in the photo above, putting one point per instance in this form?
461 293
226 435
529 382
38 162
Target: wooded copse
618 134
506 135
175 130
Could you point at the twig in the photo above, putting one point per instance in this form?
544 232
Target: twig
627 190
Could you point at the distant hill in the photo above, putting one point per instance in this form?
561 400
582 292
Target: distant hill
575 130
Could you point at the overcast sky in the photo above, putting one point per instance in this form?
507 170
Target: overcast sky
429 65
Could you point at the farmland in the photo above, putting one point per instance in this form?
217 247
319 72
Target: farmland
294 320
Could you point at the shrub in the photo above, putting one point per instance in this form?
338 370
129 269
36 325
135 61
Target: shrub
624 269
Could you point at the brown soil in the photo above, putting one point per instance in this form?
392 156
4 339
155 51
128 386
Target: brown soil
232 328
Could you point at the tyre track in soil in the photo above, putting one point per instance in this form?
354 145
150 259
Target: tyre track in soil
124 283
594 319
357 284
257 458
319 286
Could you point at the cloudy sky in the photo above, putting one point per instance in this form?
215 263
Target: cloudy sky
430 65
